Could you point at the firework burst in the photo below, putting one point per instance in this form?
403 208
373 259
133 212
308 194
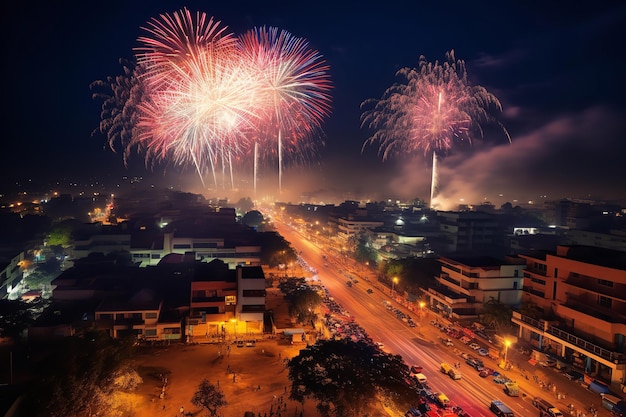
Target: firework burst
294 86
200 92
432 110
199 95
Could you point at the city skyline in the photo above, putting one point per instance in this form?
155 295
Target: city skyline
556 73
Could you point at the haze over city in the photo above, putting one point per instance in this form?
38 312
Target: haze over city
556 71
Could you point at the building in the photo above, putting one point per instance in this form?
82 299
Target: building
251 298
141 316
147 248
351 226
11 272
468 231
580 294
466 284
226 303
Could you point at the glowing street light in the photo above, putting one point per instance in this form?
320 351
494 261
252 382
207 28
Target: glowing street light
507 343
394 281
234 322
422 305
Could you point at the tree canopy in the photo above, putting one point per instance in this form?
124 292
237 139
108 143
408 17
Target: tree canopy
80 375
496 314
346 377
275 250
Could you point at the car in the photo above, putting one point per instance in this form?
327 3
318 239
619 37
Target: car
416 369
474 346
466 340
370 291
483 374
447 342
465 355
548 363
483 352
573 375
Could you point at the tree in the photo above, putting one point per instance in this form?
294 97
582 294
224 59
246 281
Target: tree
79 376
60 235
303 303
345 377
275 250
244 204
496 314
364 252
14 317
209 397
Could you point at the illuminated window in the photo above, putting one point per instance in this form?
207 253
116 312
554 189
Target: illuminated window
230 300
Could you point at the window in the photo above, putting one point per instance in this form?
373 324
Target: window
253 293
538 281
604 301
230 300
151 315
605 283
150 332
182 246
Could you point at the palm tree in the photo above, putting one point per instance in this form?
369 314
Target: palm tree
496 314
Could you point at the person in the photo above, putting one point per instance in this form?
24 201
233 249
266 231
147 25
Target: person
182 410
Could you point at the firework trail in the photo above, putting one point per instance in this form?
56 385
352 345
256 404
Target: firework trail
432 110
293 89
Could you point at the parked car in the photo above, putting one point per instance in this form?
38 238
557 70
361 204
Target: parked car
416 369
474 346
483 352
573 375
447 342
548 363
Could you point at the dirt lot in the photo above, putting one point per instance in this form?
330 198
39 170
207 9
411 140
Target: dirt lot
252 379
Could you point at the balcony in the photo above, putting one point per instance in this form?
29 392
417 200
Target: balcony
587 307
587 346
540 325
567 336
589 286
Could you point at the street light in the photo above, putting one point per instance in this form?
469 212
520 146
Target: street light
234 322
422 304
394 281
507 343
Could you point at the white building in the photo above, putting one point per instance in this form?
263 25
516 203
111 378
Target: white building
467 284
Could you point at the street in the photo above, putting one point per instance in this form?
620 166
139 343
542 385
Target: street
421 346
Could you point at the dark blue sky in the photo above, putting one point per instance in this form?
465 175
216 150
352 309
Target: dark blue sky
558 71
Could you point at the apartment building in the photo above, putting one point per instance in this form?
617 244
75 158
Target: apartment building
140 316
581 294
226 303
466 284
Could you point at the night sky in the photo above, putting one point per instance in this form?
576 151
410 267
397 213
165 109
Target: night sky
558 71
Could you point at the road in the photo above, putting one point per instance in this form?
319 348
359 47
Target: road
418 345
